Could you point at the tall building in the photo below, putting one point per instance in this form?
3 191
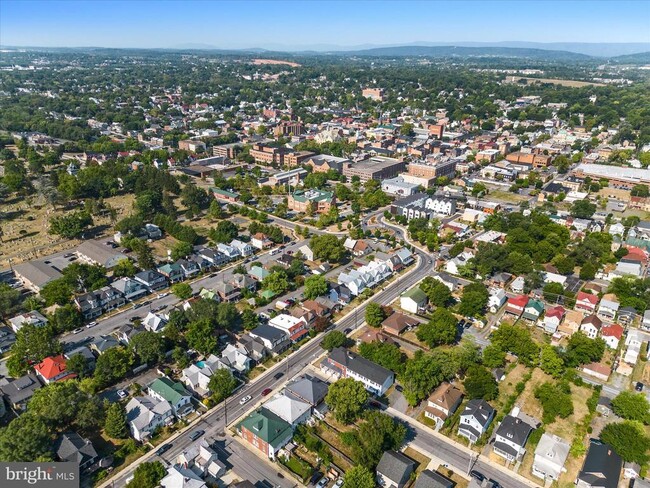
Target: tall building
375 168
373 93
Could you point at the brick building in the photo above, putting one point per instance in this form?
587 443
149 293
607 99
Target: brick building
537 160
375 168
433 168
321 201
373 93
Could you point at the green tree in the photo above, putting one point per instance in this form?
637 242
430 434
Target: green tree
346 398
583 209
374 315
441 328
249 319
222 384
115 424
582 350
551 362
62 404
516 340
315 286
422 373
149 347
201 336
494 356
215 212
225 231
555 399
327 247
71 225
377 434
26 438
9 300
632 406
78 364
474 300
228 317
628 439
32 345
182 290
438 294
66 318
334 339
553 291
588 271
181 250
480 383
124 267
385 354
359 477
112 366
147 475
56 292
277 282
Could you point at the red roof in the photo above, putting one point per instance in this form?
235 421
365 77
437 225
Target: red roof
51 367
636 254
582 296
557 311
614 330
520 301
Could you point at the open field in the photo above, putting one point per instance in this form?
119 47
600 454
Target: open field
275 61
554 81
507 196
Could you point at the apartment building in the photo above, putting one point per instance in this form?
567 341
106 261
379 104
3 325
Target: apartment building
347 364
433 168
268 155
375 168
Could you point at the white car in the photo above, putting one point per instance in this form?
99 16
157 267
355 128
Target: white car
76 331
162 295
339 483
91 324
245 399
121 393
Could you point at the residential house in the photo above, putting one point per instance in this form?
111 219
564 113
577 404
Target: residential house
153 231
510 438
229 251
591 326
235 359
197 376
290 409
413 300
145 414
172 272
553 318
518 285
307 252
129 288
274 339
475 419
172 392
293 327
347 364
586 302
100 253
178 476
447 280
188 267
394 469
340 294
154 322
602 467
259 273
245 249
633 342
228 292
307 388
398 322
366 276
89 304
550 455
453 265
53 368
626 315
7 339
72 448
34 318
261 241
597 370
533 310
153 280
497 297
356 247
244 282
612 334
645 323
433 479
265 431
18 392
608 308
212 256
103 343
202 460
442 403
571 324
255 347
83 351
516 305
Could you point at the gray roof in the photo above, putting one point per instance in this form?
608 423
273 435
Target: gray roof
308 388
100 252
514 429
602 466
479 409
433 479
20 389
360 365
37 272
269 333
72 447
395 466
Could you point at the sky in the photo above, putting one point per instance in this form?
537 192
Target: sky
303 24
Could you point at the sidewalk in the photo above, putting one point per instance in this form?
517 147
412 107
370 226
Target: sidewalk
417 425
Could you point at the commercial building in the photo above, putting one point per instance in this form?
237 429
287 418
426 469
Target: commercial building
617 176
268 155
320 201
373 93
375 168
433 168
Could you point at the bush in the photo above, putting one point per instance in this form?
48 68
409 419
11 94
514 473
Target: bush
555 399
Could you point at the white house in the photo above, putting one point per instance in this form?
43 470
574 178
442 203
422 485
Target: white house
550 456
130 288
229 251
202 460
475 419
244 248
591 326
413 300
607 309
617 229
307 252
174 393
30 318
343 363
510 438
453 265
145 414
496 299
155 322
291 410
197 376
235 359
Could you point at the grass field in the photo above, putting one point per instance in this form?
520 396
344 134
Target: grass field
507 196
555 81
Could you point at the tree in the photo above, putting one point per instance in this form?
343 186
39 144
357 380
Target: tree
583 209
115 423
249 319
26 438
377 434
228 317
327 247
334 339
78 364
632 406
9 299
222 384
555 399
441 328
553 291
181 250
62 404
582 350
628 439
516 340
422 373
149 347
474 300
315 286
640 191
385 354
480 383
201 337
225 231
71 225
66 318
182 290
32 345
551 362
277 282
588 271
438 293
124 267
147 475
215 212
359 477
374 314
564 265
112 366
346 398
494 356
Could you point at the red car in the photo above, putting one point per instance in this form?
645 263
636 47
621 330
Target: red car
266 391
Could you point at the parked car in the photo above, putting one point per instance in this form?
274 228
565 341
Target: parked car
121 394
475 474
323 482
266 391
245 400
339 483
277 376
638 386
162 295
91 324
76 331
196 434
163 449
